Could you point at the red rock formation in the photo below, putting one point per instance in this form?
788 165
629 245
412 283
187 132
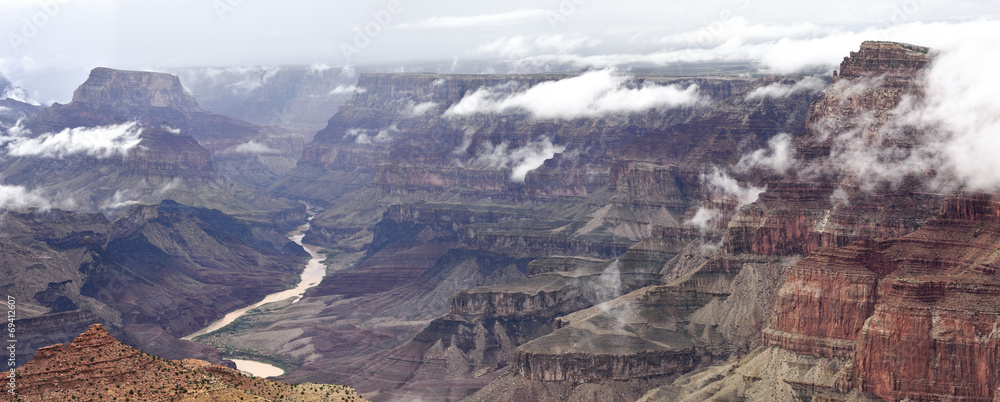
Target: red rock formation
96 366
878 303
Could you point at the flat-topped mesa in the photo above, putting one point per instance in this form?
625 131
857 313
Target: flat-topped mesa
877 57
134 88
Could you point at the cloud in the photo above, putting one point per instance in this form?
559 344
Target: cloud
720 183
778 157
811 84
479 21
319 67
422 108
18 197
591 94
778 49
173 184
512 47
100 142
521 160
521 46
705 219
347 90
740 28
119 200
10 91
363 135
249 148
252 77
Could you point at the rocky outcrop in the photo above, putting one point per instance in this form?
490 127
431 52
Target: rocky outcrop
875 58
876 302
96 366
134 88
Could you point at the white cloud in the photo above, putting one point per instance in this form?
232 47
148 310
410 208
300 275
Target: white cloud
720 183
100 142
521 160
173 184
740 28
780 49
591 94
565 43
521 46
18 197
363 135
705 219
249 148
512 47
479 21
778 157
421 109
319 67
119 200
811 84
347 90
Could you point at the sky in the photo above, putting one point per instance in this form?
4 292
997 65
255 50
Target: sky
49 46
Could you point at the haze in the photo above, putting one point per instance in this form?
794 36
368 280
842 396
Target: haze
50 45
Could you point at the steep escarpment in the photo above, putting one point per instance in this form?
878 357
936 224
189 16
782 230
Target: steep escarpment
847 320
154 275
891 269
131 137
250 154
96 366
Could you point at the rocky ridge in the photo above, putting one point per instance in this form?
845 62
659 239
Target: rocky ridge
96 366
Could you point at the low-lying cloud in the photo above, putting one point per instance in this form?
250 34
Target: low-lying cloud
811 84
592 94
100 142
521 160
19 198
347 90
249 148
420 109
367 136
779 156
723 186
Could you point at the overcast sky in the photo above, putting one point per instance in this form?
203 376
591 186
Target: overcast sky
50 45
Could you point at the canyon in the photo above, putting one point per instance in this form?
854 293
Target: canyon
718 249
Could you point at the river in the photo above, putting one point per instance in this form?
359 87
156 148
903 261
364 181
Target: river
311 276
